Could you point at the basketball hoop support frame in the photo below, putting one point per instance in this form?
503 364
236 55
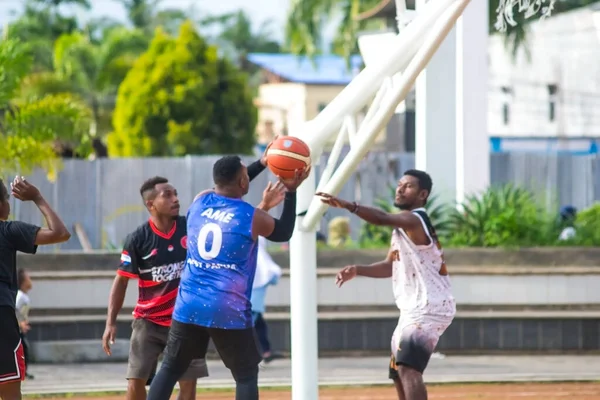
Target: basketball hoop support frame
410 53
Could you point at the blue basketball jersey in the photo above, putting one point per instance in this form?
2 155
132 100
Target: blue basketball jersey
216 283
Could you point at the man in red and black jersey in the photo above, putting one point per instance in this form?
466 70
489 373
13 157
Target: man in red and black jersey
153 254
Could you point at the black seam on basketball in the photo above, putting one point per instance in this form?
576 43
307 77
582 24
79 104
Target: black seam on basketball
283 169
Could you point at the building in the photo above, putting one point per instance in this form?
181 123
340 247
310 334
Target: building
295 89
547 97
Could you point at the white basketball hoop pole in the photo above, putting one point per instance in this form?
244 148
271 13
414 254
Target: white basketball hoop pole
368 131
408 55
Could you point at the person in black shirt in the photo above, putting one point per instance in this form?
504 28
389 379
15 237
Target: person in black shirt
19 236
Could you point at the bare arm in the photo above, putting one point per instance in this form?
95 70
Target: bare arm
381 269
404 219
56 232
116 298
115 304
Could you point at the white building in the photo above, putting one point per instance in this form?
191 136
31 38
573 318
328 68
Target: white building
547 98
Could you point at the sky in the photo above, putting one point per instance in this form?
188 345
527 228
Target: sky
274 10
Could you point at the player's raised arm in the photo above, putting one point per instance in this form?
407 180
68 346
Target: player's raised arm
56 232
404 219
280 230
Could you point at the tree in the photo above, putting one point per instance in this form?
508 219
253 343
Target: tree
32 129
92 71
181 98
144 14
515 37
40 24
239 38
308 18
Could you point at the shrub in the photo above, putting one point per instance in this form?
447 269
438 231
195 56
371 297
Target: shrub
504 216
587 226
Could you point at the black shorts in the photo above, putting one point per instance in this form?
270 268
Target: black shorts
236 347
12 357
413 343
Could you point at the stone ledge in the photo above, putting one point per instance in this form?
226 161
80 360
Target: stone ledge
457 270
537 256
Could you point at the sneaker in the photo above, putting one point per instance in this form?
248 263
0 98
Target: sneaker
271 357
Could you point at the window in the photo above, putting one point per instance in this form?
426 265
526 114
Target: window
506 100
552 98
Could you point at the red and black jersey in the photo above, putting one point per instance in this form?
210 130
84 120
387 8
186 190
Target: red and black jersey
156 259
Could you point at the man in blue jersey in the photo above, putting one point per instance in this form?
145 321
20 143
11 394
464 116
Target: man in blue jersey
216 284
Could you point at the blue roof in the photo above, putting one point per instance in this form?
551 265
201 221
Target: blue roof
324 70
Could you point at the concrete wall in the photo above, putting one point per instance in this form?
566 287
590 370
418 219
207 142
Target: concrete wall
529 300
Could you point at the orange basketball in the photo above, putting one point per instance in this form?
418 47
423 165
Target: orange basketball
286 155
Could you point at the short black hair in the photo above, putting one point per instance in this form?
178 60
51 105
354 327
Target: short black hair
226 170
425 182
4 196
148 189
20 277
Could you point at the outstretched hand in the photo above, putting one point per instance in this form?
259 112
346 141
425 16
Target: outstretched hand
347 273
334 201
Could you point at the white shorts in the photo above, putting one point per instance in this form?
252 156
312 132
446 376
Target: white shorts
414 341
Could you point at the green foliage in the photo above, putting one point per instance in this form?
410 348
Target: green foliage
308 20
31 127
587 226
181 98
502 216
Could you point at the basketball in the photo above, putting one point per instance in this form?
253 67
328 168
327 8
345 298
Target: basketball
286 155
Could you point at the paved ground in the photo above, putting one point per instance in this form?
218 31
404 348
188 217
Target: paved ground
335 371
469 391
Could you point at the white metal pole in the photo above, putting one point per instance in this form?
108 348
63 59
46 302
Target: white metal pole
303 302
367 82
400 14
334 156
368 131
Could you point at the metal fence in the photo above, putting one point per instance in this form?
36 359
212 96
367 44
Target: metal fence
103 195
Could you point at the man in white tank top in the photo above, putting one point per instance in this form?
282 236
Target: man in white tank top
421 284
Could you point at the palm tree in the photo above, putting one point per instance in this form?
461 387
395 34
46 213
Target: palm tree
31 129
37 28
239 38
92 70
145 15
307 19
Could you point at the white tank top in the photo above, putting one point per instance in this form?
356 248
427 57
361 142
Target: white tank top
420 280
